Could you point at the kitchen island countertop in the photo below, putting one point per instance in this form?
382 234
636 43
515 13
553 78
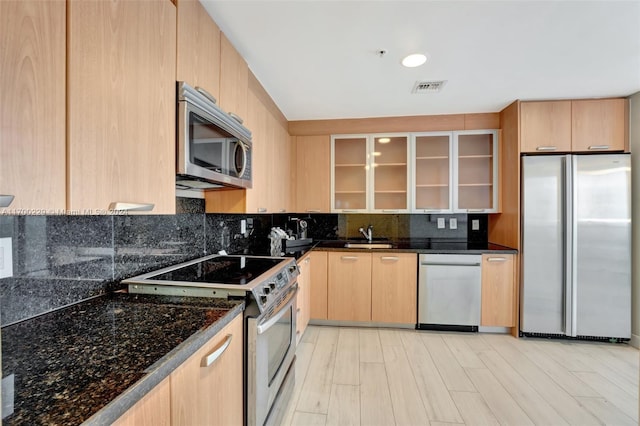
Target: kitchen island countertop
92 361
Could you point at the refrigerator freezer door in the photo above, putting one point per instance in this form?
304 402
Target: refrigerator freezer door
543 245
602 251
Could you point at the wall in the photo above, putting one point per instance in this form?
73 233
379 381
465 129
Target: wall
634 144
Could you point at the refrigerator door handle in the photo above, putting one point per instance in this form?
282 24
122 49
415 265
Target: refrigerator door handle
572 247
568 241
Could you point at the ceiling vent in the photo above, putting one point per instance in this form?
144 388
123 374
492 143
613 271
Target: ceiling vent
428 86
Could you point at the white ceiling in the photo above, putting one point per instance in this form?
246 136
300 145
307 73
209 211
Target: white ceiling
318 59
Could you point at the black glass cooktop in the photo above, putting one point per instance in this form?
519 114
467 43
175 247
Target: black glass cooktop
237 270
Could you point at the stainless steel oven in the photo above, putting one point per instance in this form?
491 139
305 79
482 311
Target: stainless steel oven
271 347
269 287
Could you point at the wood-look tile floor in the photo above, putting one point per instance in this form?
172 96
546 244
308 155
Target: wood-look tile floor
365 376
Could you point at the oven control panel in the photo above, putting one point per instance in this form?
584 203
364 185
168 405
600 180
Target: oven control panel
272 288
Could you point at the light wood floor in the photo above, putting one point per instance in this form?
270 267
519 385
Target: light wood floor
362 376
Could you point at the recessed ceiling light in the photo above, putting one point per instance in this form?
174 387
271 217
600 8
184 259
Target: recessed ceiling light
414 60
384 140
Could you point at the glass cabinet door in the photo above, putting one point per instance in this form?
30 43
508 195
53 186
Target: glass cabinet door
350 172
389 160
432 172
476 171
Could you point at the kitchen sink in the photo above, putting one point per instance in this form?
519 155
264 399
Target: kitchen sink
364 244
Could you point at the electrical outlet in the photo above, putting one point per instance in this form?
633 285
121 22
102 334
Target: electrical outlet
6 258
453 223
441 223
475 224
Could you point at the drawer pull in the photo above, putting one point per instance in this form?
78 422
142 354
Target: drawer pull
598 147
6 200
546 148
393 258
349 257
496 259
138 207
313 211
213 356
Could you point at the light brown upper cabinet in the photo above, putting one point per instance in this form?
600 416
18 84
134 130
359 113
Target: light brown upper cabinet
313 165
599 125
545 126
350 173
432 172
234 79
121 104
574 126
32 104
198 47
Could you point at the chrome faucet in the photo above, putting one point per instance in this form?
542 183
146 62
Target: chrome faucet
368 234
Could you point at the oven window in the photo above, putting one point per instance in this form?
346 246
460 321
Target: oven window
279 342
209 145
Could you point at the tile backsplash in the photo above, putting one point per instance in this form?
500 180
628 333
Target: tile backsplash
61 260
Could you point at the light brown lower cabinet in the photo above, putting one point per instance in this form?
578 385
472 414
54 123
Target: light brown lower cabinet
152 410
349 286
211 395
204 390
498 290
318 285
394 287
304 295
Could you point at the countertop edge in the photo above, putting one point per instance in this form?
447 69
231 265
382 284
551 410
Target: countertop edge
160 370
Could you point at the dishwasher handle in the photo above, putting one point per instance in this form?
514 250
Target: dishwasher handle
449 264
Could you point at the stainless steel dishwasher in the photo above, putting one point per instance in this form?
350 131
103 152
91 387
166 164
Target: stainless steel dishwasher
449 292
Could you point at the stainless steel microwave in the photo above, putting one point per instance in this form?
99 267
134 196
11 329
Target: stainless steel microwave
214 148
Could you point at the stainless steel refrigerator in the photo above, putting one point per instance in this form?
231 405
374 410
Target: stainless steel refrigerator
576 248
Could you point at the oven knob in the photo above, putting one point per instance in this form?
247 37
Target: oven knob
266 290
293 268
263 299
272 286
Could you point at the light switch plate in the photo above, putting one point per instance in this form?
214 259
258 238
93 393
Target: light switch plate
243 226
441 223
453 223
475 225
6 258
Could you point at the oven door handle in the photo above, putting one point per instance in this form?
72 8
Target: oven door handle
277 316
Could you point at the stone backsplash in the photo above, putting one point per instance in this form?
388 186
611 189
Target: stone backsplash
61 260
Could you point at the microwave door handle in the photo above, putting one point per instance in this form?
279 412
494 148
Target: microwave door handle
262 328
206 94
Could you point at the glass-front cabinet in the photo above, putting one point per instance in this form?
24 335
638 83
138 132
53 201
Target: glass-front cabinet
432 190
476 178
349 177
370 173
389 166
445 172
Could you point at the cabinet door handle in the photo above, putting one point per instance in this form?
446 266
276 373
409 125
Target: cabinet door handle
431 210
138 207
6 200
213 356
236 117
546 148
475 210
349 211
390 211
392 258
283 210
206 94
307 260
496 259
262 209
349 257
597 147
313 211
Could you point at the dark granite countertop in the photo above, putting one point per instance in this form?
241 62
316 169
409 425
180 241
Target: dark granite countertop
415 245
94 360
